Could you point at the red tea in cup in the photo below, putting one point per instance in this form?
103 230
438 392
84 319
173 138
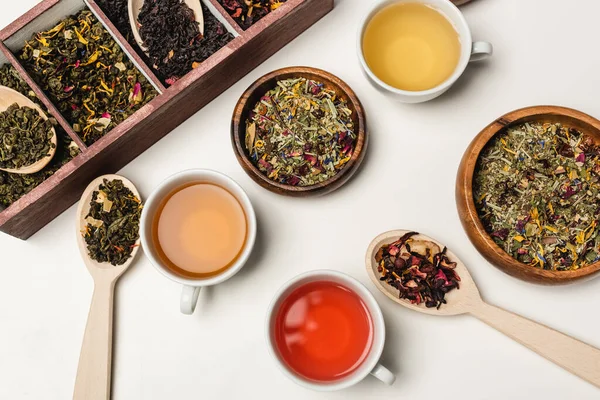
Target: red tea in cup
323 331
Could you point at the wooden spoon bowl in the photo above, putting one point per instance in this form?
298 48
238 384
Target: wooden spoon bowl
95 361
573 355
9 97
134 7
83 209
466 205
460 301
253 94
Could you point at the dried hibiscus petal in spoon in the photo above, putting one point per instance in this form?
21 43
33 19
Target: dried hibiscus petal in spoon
420 271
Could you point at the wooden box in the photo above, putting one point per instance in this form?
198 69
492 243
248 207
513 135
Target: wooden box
171 107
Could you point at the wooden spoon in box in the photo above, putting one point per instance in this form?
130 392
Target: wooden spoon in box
573 355
94 372
134 7
9 97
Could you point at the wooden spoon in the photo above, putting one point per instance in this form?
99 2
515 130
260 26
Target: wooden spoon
134 7
94 372
9 97
573 355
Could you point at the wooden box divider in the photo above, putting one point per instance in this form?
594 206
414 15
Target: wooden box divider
167 110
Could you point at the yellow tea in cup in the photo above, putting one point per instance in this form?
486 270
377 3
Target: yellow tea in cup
199 230
411 46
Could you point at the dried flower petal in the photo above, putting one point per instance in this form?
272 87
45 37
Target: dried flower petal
416 278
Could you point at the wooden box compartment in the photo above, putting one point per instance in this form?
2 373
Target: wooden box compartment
168 109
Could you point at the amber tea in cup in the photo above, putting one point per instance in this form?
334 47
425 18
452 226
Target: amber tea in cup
199 230
411 46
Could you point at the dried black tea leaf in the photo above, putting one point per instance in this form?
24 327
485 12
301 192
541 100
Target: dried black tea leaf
419 269
86 74
113 223
118 13
25 137
14 186
248 12
173 39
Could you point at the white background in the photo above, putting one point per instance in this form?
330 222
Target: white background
547 52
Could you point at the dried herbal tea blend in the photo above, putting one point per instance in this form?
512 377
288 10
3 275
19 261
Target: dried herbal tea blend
13 186
247 12
24 137
173 39
113 223
420 271
300 133
86 74
537 192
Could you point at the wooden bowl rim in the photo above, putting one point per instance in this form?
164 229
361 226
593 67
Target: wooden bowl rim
276 187
464 197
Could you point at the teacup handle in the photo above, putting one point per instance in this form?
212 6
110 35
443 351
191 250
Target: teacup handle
481 51
189 299
383 374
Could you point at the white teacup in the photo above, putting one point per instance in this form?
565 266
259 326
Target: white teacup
470 51
191 287
370 365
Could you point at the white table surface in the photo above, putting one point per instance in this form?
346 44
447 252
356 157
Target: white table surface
546 52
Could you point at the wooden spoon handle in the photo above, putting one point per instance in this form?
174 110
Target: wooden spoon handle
573 355
94 372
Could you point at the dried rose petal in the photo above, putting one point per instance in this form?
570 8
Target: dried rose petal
501 233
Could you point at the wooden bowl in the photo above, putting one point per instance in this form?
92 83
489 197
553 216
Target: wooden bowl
466 205
253 94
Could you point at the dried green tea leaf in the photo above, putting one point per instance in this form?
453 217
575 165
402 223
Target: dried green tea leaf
25 137
83 75
113 223
14 186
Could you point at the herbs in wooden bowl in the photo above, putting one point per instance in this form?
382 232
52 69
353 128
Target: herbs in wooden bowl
299 131
529 193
